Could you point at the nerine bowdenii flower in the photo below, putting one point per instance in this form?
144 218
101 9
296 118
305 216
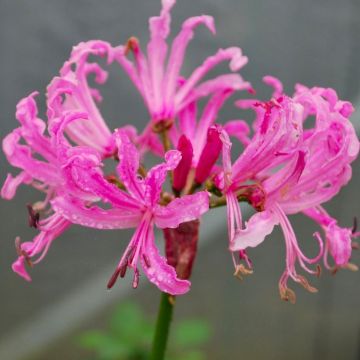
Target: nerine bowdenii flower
292 169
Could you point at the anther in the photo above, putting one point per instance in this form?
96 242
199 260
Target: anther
146 261
131 45
355 225
304 282
241 271
318 270
33 217
114 277
351 267
136 279
287 294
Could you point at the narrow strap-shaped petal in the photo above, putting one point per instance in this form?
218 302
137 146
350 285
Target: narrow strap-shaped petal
141 67
32 129
50 228
186 208
95 217
219 84
238 129
129 161
286 178
130 69
73 84
338 239
94 182
156 268
256 229
149 141
11 184
81 166
178 50
20 156
234 218
157 175
233 54
156 51
275 84
208 118
187 120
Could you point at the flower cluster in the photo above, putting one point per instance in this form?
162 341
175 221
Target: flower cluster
288 164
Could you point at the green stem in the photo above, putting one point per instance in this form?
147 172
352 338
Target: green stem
162 327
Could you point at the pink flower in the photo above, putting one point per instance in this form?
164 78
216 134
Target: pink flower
41 166
291 173
42 174
139 207
338 240
50 228
71 92
203 134
158 80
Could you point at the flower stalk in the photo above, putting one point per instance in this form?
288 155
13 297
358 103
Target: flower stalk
163 322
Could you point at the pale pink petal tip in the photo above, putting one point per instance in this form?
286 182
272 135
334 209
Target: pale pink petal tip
339 240
160 273
275 83
11 184
257 228
18 267
238 59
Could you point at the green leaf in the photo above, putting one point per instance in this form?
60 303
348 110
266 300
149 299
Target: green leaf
93 339
127 319
191 333
189 355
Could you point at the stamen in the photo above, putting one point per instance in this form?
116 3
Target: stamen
34 217
287 294
241 271
18 246
136 279
318 270
305 283
146 261
113 278
355 226
112 179
123 270
131 45
22 252
351 267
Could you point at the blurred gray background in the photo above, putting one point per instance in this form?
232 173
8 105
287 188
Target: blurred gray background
313 42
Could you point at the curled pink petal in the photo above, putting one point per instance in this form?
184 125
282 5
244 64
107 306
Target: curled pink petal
18 267
180 210
158 271
275 83
157 175
94 216
129 162
256 229
11 184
